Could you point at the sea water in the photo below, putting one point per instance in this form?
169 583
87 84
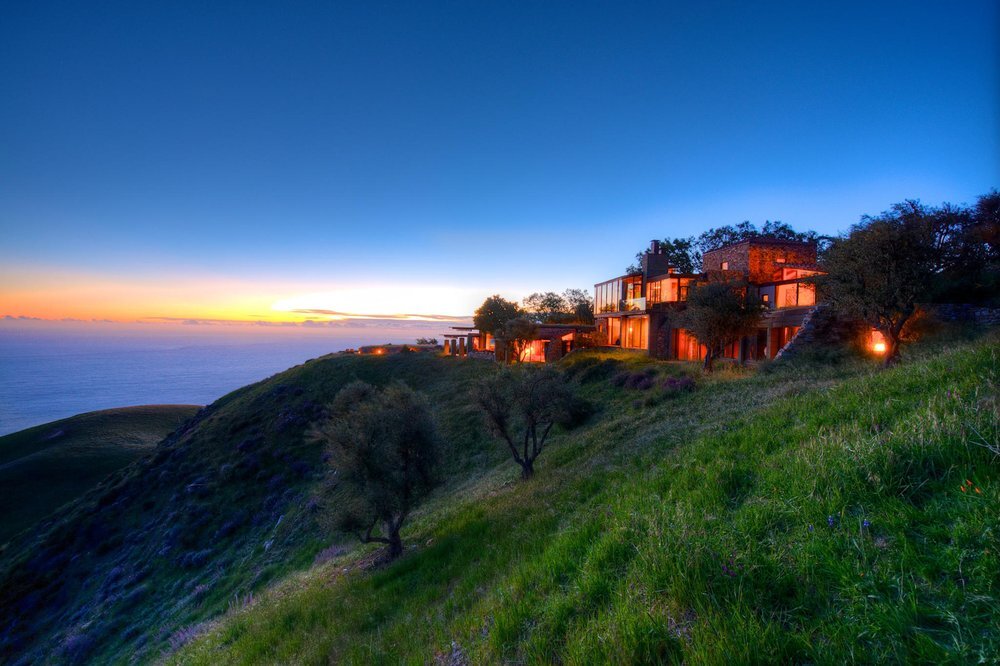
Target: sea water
49 374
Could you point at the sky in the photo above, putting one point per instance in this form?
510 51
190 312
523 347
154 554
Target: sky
280 162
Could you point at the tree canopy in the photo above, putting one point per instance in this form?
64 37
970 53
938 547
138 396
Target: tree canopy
494 313
384 450
516 336
912 254
520 406
572 306
685 254
719 313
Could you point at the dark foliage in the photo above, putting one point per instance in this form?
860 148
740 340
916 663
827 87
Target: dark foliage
719 313
685 254
495 311
520 406
912 254
384 449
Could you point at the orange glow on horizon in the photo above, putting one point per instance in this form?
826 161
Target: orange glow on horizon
58 295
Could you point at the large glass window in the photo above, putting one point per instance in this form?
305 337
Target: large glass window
795 294
615 331
607 296
653 291
635 332
686 346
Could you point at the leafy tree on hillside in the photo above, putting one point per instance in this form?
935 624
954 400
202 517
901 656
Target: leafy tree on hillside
384 449
520 406
719 313
908 255
494 313
516 336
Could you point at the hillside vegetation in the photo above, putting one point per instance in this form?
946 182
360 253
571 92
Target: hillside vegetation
810 513
790 516
44 467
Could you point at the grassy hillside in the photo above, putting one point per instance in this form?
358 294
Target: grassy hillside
723 524
782 517
44 467
225 505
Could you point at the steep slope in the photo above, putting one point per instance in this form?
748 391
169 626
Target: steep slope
44 467
793 516
226 504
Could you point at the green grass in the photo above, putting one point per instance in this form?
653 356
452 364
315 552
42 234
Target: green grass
691 528
671 526
44 467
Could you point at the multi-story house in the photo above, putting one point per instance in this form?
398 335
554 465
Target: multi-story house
634 311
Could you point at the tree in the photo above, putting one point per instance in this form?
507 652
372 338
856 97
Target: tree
548 306
685 254
888 263
516 336
384 450
719 313
494 313
520 406
681 253
580 304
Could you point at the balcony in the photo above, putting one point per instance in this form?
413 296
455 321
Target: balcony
635 304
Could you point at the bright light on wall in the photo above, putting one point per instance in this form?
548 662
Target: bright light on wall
878 342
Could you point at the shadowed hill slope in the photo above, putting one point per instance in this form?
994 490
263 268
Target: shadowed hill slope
44 467
224 505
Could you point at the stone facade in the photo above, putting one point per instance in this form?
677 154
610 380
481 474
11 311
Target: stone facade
757 258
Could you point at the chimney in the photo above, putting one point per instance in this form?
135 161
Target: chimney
654 247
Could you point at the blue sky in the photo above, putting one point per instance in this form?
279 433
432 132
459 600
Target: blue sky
495 146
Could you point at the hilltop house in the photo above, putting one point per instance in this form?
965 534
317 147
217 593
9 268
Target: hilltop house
633 311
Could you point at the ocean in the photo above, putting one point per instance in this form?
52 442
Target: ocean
49 373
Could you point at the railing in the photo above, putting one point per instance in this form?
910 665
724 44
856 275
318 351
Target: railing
635 304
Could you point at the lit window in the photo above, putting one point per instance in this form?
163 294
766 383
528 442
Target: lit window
725 265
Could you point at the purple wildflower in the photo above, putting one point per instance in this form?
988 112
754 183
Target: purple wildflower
866 523
830 521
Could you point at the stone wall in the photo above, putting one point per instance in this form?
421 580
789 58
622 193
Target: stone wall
758 260
984 316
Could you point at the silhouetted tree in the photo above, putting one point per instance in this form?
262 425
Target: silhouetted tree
520 406
909 254
573 305
580 305
546 307
516 336
494 313
719 313
384 449
685 254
